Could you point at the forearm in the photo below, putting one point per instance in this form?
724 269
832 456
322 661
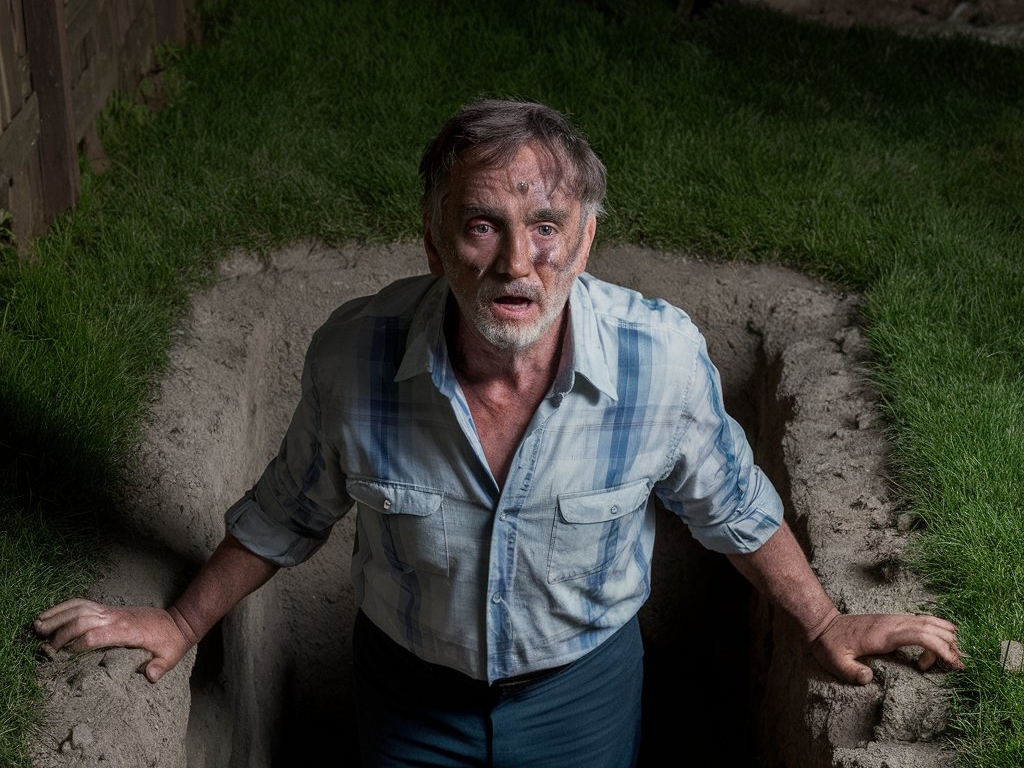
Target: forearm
780 571
231 573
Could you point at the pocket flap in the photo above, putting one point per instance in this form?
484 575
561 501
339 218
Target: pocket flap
605 504
391 498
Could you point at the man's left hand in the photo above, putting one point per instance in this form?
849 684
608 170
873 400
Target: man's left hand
848 637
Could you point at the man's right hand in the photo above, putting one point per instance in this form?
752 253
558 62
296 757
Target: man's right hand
231 573
83 625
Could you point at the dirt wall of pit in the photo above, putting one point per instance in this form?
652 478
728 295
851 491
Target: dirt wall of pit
270 687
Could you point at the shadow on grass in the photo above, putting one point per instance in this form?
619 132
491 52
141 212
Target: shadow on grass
56 508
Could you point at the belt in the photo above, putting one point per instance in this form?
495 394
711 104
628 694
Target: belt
505 684
438 674
517 681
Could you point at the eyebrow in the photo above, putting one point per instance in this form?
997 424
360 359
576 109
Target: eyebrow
554 215
472 211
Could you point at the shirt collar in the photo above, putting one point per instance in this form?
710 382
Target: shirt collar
589 358
426 351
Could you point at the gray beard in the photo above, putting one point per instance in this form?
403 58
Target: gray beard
510 336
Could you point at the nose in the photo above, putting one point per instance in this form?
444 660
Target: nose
516 258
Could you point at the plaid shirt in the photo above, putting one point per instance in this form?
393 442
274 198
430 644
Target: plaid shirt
497 582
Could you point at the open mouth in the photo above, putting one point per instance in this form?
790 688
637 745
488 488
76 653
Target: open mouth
513 301
511 306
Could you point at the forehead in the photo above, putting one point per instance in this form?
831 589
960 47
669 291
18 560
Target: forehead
532 174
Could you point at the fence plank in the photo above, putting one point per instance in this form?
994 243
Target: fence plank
93 90
10 84
18 17
80 16
19 139
23 202
20 49
170 22
49 101
136 56
48 59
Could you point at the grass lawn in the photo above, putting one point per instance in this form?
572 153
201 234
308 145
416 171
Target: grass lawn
891 166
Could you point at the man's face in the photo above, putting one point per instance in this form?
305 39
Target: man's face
511 241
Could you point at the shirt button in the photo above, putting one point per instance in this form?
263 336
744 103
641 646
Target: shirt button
503 516
615 509
387 503
496 597
557 400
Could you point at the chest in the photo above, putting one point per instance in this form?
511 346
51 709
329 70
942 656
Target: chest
480 449
501 420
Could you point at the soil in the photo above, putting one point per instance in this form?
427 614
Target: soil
226 399
274 677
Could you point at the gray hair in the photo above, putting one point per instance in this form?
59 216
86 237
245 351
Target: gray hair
492 131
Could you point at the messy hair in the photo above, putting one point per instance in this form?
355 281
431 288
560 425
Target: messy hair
492 131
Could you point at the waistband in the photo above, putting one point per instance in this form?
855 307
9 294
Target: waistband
375 650
384 649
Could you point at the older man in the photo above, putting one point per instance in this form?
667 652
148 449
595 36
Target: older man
503 426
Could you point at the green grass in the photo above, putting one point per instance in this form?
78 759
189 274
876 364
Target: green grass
891 166
39 565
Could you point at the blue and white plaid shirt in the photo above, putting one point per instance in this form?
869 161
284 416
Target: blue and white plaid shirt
497 582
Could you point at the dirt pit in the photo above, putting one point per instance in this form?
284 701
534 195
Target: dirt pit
728 680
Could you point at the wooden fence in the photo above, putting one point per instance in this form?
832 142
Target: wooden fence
60 62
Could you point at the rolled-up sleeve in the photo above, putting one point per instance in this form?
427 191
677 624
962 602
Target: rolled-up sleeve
725 499
288 515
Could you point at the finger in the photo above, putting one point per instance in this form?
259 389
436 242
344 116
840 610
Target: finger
107 633
947 651
88 631
926 660
65 613
68 631
77 636
929 632
45 624
911 630
949 626
942 632
852 671
43 627
62 607
154 670
939 640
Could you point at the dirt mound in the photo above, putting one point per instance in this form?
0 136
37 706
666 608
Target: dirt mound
273 678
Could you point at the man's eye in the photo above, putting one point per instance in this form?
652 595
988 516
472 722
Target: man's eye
546 230
480 229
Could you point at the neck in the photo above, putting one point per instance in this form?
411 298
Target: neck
478 363
503 388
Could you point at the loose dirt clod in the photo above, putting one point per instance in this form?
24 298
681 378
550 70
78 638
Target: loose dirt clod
1011 655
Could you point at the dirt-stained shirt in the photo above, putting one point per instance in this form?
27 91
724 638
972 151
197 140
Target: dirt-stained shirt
497 582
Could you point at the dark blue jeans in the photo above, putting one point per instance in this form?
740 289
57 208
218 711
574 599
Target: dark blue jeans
417 715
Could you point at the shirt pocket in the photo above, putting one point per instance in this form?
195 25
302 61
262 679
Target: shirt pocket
591 529
406 522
